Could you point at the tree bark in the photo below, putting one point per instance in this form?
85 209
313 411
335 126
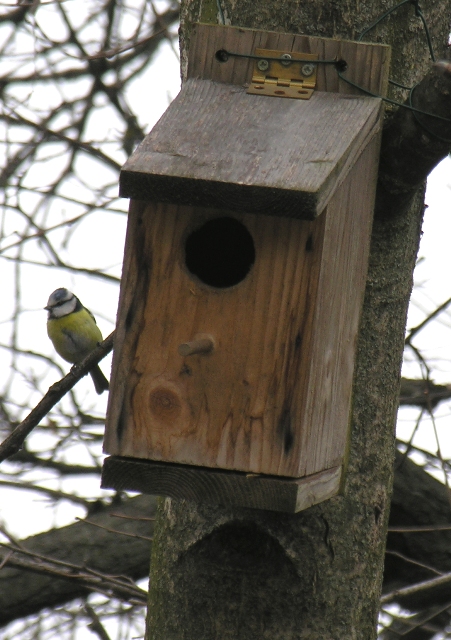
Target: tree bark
418 500
235 573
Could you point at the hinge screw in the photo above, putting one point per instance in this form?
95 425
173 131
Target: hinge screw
307 69
263 65
285 59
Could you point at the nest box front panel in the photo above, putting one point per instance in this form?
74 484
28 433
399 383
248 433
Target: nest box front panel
239 406
278 308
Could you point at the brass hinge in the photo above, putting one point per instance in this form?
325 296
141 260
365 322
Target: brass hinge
285 78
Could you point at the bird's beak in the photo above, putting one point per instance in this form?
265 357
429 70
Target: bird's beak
47 308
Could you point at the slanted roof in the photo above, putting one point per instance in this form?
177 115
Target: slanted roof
217 146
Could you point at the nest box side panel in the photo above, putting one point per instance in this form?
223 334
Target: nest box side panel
132 299
341 291
240 407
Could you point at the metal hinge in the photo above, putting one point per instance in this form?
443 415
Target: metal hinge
285 78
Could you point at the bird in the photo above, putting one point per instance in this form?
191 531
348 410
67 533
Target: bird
74 332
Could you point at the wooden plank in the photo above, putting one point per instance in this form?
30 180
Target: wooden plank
240 407
341 289
221 409
367 64
132 300
218 146
219 487
275 394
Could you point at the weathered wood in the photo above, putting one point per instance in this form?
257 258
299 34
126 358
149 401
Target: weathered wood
274 395
367 64
340 297
218 409
220 487
218 146
202 343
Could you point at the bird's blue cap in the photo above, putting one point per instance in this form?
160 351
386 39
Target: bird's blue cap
57 297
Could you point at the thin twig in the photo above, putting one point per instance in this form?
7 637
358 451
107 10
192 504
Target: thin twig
140 519
420 529
415 588
440 457
121 533
396 554
51 493
95 625
121 587
430 317
110 53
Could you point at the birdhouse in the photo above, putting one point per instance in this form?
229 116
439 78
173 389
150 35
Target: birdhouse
244 273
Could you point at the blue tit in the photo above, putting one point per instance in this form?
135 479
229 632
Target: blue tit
74 332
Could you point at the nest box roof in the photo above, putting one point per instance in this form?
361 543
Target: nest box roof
218 146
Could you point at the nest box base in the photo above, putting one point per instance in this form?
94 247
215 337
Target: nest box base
227 488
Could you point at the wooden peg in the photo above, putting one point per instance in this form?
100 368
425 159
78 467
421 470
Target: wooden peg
202 344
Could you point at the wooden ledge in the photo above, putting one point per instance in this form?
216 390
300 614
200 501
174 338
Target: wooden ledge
228 488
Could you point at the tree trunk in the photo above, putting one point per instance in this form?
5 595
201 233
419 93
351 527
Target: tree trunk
236 573
418 499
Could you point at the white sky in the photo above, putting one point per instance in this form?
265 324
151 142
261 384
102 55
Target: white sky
85 249
99 241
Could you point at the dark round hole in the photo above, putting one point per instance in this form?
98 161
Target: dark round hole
220 253
222 55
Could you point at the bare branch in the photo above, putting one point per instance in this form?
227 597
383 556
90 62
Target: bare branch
88 578
413 144
95 625
398 594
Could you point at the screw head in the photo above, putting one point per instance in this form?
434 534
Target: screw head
285 59
307 69
263 65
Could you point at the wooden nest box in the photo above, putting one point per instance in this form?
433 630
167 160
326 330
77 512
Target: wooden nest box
244 273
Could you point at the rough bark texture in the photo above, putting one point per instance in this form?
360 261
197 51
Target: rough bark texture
418 500
223 573
412 142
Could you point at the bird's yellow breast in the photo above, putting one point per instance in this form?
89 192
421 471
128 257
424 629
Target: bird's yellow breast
74 336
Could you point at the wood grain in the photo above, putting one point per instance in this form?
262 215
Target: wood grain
219 487
341 288
367 64
273 396
217 409
217 146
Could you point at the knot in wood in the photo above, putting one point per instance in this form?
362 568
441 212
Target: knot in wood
164 404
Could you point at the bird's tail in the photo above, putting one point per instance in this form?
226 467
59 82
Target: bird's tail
100 382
